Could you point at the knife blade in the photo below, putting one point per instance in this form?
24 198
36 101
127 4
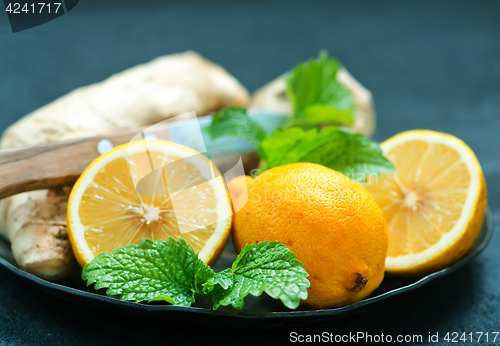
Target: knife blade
59 164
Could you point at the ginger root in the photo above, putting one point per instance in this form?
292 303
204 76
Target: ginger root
41 240
168 86
138 97
273 97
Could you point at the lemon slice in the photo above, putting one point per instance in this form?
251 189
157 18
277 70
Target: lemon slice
188 200
434 204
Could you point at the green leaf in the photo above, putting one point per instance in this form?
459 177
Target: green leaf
203 275
171 271
316 95
235 122
161 270
352 154
263 267
224 279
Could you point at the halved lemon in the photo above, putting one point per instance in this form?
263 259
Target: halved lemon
434 203
188 200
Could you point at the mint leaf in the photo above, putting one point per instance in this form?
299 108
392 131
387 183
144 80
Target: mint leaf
351 154
234 122
161 270
171 271
263 267
223 279
203 275
316 95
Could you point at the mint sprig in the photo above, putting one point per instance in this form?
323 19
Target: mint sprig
349 153
352 154
316 94
263 267
171 271
234 122
161 270
317 98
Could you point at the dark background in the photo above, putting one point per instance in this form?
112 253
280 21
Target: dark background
429 64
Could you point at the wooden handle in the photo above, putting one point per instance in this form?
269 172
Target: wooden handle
49 165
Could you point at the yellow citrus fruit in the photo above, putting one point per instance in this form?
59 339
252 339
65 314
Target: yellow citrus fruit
434 204
105 209
238 190
332 223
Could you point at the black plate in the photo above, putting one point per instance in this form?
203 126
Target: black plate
258 310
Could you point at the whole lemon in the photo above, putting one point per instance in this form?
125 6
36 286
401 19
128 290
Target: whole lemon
331 222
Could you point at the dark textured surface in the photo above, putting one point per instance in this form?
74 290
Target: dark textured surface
432 65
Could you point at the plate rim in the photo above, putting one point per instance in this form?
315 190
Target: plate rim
53 286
